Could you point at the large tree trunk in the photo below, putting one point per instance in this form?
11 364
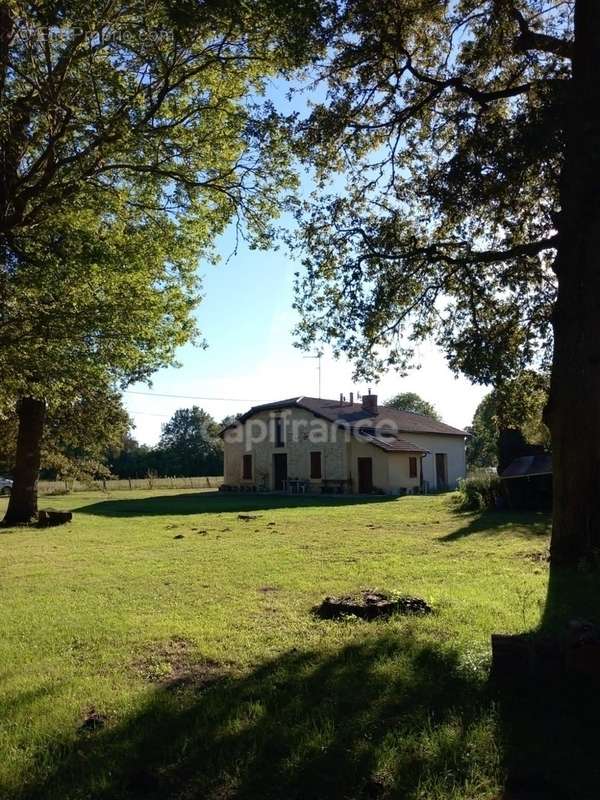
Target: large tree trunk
574 409
22 506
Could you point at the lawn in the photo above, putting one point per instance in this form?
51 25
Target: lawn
161 646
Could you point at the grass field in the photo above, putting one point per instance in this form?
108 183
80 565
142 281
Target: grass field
162 647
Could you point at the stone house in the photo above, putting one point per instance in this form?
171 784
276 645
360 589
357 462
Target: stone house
312 444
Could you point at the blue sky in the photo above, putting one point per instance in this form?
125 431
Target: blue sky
247 319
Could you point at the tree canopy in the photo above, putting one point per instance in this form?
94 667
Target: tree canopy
517 404
190 446
190 443
411 401
447 122
482 444
468 134
130 137
129 140
77 433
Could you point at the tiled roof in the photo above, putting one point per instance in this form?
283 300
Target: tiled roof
528 466
355 416
392 444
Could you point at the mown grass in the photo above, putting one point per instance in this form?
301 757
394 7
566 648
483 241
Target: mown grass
190 632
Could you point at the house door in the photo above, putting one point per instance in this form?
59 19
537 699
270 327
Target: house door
279 471
365 475
441 471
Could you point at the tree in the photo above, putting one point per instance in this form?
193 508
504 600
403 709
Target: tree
130 136
110 306
468 134
482 444
77 433
190 444
517 404
129 459
410 401
228 420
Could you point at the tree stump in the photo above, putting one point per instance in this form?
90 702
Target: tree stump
50 519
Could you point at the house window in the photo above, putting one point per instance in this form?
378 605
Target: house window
412 466
247 467
279 432
315 465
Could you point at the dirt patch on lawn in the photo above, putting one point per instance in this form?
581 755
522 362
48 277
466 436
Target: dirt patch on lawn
370 604
93 720
175 663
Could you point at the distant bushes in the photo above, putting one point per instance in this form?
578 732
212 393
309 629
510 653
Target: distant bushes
479 491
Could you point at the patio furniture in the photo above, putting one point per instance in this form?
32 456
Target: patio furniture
296 486
335 486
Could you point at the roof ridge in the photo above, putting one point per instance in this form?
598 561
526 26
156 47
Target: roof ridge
356 415
414 413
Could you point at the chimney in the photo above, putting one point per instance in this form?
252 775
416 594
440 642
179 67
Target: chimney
341 399
369 403
351 398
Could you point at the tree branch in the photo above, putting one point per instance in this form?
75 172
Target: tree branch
480 96
439 251
543 42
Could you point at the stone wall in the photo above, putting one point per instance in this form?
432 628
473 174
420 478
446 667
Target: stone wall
302 434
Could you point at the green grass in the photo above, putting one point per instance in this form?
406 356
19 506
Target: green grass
216 681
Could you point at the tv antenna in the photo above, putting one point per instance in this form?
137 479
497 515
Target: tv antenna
318 357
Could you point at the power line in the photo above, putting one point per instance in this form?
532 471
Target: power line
195 397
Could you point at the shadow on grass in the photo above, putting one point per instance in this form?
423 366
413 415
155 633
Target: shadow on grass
550 727
217 502
547 727
527 523
388 717
573 594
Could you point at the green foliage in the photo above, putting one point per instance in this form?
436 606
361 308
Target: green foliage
479 491
77 433
91 301
521 403
130 137
190 443
410 401
129 459
518 403
189 446
482 444
230 419
447 121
